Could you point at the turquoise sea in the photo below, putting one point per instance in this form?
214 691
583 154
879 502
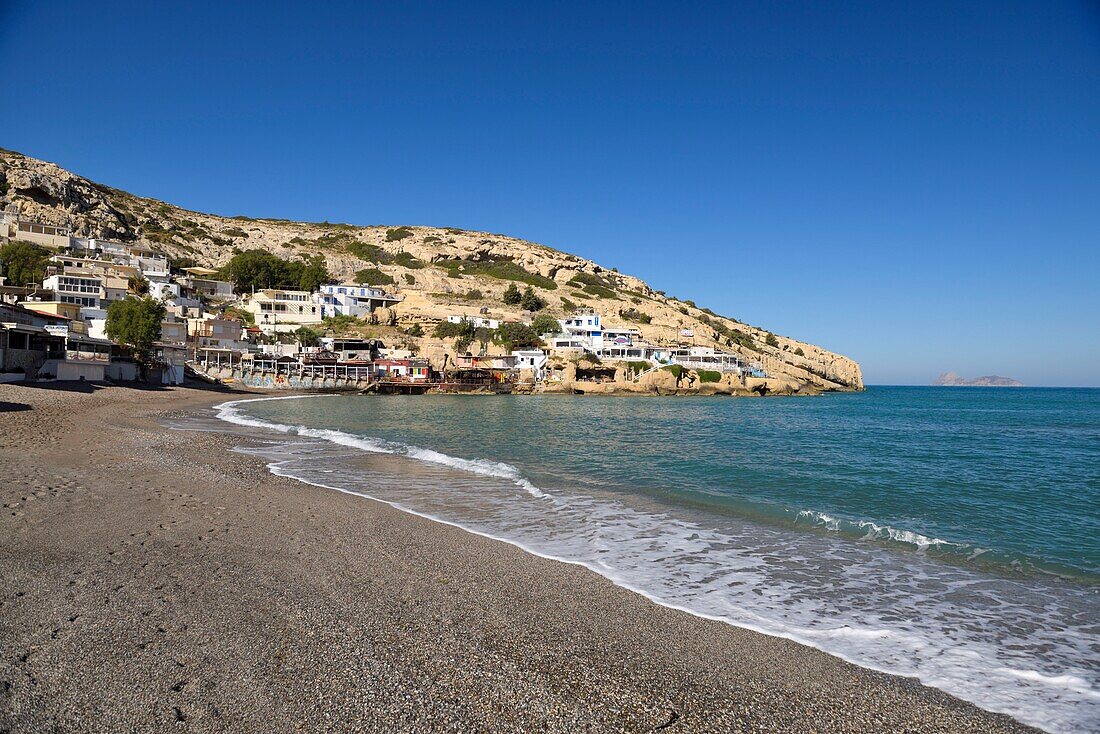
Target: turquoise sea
951 534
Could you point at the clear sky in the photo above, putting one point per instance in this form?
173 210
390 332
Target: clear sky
916 185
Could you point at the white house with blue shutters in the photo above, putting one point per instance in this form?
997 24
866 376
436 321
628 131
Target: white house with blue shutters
351 299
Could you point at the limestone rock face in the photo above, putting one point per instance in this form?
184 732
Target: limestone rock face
437 271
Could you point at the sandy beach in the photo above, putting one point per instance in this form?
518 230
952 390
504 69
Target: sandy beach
152 580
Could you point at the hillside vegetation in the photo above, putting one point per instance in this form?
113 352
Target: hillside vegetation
437 270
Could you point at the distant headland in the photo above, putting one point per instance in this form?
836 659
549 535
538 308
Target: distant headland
952 379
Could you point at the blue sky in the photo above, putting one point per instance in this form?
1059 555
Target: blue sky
916 185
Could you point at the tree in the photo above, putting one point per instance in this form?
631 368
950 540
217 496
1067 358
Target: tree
254 270
530 301
416 330
314 274
373 276
512 295
137 284
307 337
770 340
24 262
516 336
135 322
544 323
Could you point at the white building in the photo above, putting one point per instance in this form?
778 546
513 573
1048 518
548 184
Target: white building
201 281
478 322
282 311
83 290
531 359
348 299
707 358
164 291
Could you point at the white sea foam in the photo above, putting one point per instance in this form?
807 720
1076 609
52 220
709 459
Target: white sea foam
870 530
898 613
484 467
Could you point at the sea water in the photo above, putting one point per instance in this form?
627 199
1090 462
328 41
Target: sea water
951 534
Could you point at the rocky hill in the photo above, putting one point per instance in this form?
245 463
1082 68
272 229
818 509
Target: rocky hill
953 379
437 270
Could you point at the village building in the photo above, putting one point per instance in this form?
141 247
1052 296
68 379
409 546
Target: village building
486 361
350 349
355 299
26 342
83 290
412 370
531 359
200 282
278 311
208 332
706 358
478 322
48 235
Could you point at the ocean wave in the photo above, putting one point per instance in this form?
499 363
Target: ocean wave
484 467
869 530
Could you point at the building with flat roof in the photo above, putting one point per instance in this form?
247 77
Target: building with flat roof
278 311
351 299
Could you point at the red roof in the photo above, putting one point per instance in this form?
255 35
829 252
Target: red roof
50 315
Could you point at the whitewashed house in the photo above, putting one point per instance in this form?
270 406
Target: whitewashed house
356 300
278 311
531 359
478 322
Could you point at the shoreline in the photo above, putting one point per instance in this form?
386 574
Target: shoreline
384 619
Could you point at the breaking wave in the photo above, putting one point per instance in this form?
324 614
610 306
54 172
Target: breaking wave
228 412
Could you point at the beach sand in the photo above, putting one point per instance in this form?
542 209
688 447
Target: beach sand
150 579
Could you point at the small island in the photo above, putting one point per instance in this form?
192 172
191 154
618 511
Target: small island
952 379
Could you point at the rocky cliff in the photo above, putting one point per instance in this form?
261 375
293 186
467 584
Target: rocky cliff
437 270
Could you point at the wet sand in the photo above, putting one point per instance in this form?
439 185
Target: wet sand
150 579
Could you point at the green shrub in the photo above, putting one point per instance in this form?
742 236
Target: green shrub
406 260
327 241
23 262
676 370
373 276
498 268
370 253
339 323
431 238
544 323
639 366
512 296
415 330
445 330
593 284
516 336
410 279
568 305
799 352
709 375
252 270
531 302
770 340
235 232
484 335
398 233
633 314
474 295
